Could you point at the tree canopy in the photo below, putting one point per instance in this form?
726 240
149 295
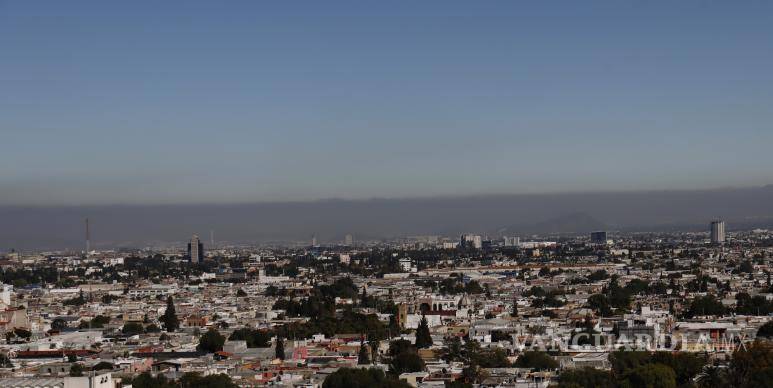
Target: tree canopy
279 348
766 330
403 357
255 338
211 341
423 337
536 360
362 378
169 319
705 305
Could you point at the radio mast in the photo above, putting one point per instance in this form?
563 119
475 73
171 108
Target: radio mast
88 238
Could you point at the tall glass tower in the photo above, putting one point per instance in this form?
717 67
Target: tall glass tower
195 250
717 232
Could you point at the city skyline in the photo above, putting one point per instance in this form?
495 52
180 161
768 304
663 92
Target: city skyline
138 225
394 194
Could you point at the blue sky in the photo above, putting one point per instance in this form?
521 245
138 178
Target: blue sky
179 102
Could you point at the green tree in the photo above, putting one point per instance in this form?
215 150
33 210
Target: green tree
97 322
619 297
171 323
279 349
452 350
403 357
599 303
76 370
212 341
472 353
766 330
361 378
400 346
473 287
705 305
751 365
491 358
132 328
146 380
712 376
638 367
685 365
408 361
748 305
623 361
364 300
650 376
22 333
472 374
363 358
58 324
195 380
598 275
152 328
272 290
254 338
586 377
77 301
536 360
423 337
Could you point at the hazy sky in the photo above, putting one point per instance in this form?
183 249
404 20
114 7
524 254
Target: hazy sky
154 102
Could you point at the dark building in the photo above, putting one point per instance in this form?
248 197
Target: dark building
598 237
195 250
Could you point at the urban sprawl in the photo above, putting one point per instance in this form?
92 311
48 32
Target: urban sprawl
597 309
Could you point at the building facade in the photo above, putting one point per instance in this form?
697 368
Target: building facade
195 250
717 232
598 237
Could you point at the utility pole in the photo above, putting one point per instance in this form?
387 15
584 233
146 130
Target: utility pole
88 238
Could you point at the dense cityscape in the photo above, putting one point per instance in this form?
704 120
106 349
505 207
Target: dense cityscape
386 194
598 309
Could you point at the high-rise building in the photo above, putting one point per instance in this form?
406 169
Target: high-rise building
195 250
349 240
717 232
471 241
512 241
598 237
314 242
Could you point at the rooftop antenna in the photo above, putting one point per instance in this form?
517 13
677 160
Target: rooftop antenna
88 238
